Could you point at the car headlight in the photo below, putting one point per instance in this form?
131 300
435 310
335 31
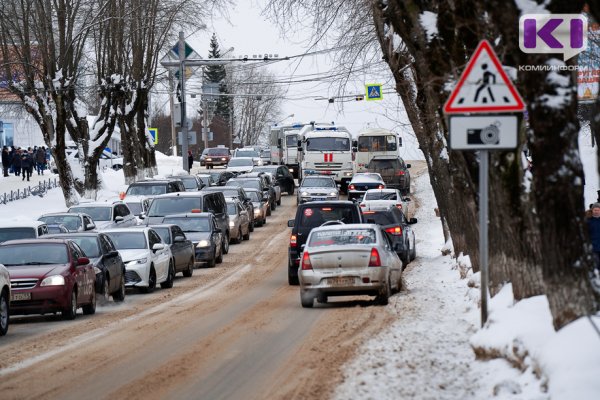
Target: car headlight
231 224
203 243
304 194
333 194
347 173
209 159
291 169
97 270
138 261
54 280
257 211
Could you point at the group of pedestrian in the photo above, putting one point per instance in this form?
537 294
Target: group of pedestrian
22 162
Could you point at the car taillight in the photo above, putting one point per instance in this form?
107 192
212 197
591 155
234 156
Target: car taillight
351 187
363 205
396 230
399 206
380 187
293 241
374 260
306 265
399 173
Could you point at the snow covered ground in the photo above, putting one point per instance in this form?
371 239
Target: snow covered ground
428 352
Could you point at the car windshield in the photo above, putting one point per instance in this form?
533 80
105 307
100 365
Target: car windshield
34 254
97 213
318 182
205 180
128 240
316 216
384 164
173 205
253 196
327 144
218 152
245 183
291 140
379 195
240 162
231 209
16 233
342 236
378 217
135 207
71 222
57 229
366 177
89 245
246 153
195 224
163 232
147 189
189 182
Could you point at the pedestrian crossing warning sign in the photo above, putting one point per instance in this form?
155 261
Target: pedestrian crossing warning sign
373 91
484 87
154 133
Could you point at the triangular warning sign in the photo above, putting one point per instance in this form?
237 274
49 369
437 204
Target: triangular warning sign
484 87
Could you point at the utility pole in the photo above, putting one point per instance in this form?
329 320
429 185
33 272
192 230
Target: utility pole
205 122
184 129
172 105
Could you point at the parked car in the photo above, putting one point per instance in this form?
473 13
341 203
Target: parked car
4 300
312 215
384 197
342 260
239 193
74 222
240 165
239 222
11 230
106 160
106 260
206 236
362 182
255 183
49 276
216 156
393 170
317 188
207 180
265 156
261 205
182 249
191 183
187 202
107 215
248 152
154 187
393 221
282 174
221 177
147 258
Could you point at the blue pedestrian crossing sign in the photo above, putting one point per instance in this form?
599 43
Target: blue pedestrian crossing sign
154 133
373 91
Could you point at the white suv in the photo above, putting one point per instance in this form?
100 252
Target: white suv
107 215
4 299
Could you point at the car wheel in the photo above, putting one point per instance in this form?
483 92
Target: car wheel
104 295
279 202
247 235
213 261
190 269
274 205
292 279
170 277
251 225
119 295
90 308
268 211
291 189
151 282
225 247
384 295
4 313
307 300
71 311
219 259
413 253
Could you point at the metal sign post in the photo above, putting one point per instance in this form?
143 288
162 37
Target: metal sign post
483 229
184 128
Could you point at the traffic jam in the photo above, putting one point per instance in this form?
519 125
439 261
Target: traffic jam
351 234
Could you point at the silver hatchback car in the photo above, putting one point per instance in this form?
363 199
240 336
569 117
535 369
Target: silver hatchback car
348 259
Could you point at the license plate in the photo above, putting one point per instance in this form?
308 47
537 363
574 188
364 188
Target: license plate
20 296
341 281
319 198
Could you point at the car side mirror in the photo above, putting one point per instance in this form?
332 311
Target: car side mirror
119 218
407 165
83 261
412 221
158 246
89 227
142 215
178 239
302 247
290 223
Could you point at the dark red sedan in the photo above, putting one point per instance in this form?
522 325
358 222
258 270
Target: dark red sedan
49 276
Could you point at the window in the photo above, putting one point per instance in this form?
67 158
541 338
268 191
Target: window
128 240
327 144
97 213
176 230
106 244
89 245
377 143
33 255
164 234
121 210
153 238
291 140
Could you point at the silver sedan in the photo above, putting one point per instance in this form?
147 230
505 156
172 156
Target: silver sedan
351 259
239 221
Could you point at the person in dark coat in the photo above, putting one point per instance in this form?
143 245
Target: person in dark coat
40 160
6 161
26 164
190 160
16 162
594 230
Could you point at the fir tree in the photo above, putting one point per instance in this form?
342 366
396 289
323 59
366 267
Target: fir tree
217 74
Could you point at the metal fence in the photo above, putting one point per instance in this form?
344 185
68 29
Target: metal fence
37 190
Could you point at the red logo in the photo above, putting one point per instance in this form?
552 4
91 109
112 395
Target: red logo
328 157
308 212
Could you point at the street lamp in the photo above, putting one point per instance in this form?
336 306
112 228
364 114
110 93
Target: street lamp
280 121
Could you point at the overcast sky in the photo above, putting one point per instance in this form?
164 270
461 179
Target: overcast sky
250 33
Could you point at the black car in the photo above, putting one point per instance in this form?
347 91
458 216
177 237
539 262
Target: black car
399 230
311 215
192 183
202 229
393 170
107 262
282 175
268 181
207 179
154 187
240 194
221 177
258 183
181 247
